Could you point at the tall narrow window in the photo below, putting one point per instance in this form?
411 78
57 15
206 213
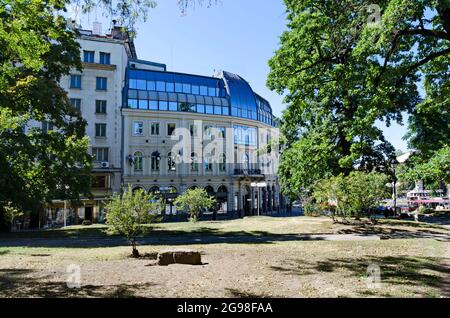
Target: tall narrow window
194 162
154 131
101 84
223 163
88 56
100 106
105 58
208 163
47 126
100 130
171 166
75 81
171 129
138 161
156 158
138 128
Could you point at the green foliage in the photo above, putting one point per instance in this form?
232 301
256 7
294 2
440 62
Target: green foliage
129 214
194 201
435 171
351 195
11 213
341 74
37 49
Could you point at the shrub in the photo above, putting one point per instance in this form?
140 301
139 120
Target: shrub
128 215
194 201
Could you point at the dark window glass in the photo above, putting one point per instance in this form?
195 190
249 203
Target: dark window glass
209 109
47 126
170 87
171 129
75 81
151 86
105 58
155 129
163 105
161 86
143 104
195 90
100 106
173 106
76 103
99 182
89 56
100 130
102 84
178 87
153 105
133 103
100 154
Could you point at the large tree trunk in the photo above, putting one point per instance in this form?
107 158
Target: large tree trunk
135 253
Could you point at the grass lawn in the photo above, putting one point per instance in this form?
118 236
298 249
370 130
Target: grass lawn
254 257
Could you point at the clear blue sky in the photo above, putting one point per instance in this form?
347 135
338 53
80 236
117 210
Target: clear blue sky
239 36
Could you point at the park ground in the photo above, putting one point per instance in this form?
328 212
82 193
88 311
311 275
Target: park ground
252 257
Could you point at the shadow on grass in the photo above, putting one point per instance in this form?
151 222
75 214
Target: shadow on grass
17 283
401 271
165 237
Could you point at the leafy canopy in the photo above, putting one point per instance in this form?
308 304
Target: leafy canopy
195 201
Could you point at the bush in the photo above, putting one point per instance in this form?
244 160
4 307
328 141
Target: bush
195 201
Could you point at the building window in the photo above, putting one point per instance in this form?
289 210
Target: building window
75 81
105 58
171 129
153 105
193 130
47 126
133 103
76 103
161 86
138 128
100 106
194 162
154 130
208 163
102 84
209 109
138 161
223 163
89 56
100 154
207 131
221 132
99 182
171 166
100 130
195 90
170 87
155 161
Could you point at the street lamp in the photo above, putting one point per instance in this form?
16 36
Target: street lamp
259 186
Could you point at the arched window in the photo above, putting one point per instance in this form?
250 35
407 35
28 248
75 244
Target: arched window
208 163
154 191
222 190
210 190
138 161
156 158
223 163
171 166
194 162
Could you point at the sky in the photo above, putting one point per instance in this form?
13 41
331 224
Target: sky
238 36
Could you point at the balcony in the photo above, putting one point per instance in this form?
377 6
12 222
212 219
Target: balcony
248 170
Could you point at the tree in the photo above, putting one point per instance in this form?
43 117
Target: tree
351 63
37 49
353 195
195 201
130 214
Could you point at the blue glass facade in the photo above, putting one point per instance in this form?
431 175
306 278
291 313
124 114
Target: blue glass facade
229 95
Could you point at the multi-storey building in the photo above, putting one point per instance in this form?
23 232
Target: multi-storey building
167 132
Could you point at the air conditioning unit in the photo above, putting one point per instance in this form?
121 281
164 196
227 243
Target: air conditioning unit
104 164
